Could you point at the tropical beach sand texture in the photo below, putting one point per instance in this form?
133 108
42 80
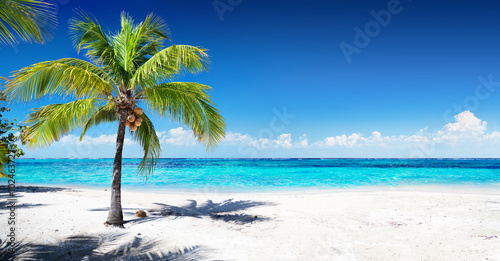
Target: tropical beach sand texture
413 223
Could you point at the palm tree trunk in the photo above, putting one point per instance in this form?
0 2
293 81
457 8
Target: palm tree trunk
115 216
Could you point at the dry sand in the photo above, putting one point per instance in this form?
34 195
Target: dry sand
372 224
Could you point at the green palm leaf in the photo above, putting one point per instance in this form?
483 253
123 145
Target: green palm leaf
146 136
88 35
152 34
189 104
136 43
152 29
30 20
170 62
49 123
66 77
106 113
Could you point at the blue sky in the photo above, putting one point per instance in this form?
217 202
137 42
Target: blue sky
395 96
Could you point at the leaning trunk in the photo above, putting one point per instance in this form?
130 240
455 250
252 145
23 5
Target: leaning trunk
115 216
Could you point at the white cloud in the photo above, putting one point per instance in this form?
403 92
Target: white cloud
466 122
179 136
342 140
87 140
303 142
161 134
234 138
354 140
105 139
493 137
466 127
284 140
376 136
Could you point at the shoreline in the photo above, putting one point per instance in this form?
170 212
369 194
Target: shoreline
491 188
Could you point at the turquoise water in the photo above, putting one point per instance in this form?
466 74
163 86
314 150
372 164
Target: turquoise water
262 174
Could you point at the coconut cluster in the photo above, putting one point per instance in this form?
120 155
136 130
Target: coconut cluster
133 120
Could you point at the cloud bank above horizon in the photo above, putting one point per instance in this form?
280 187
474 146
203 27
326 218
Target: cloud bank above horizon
465 135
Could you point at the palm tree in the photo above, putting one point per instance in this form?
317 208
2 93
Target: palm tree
30 20
125 69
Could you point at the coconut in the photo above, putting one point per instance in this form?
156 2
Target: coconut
138 121
127 123
133 127
140 213
131 118
138 110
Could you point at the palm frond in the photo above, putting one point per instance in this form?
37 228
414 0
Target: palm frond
153 28
87 34
49 123
30 20
146 136
189 104
136 43
150 36
66 77
106 113
125 44
169 63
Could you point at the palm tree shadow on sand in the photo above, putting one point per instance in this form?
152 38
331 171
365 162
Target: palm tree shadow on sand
32 189
100 247
4 195
224 211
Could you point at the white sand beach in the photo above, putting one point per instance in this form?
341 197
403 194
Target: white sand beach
371 224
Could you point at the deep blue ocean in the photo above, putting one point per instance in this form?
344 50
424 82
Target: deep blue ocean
262 174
